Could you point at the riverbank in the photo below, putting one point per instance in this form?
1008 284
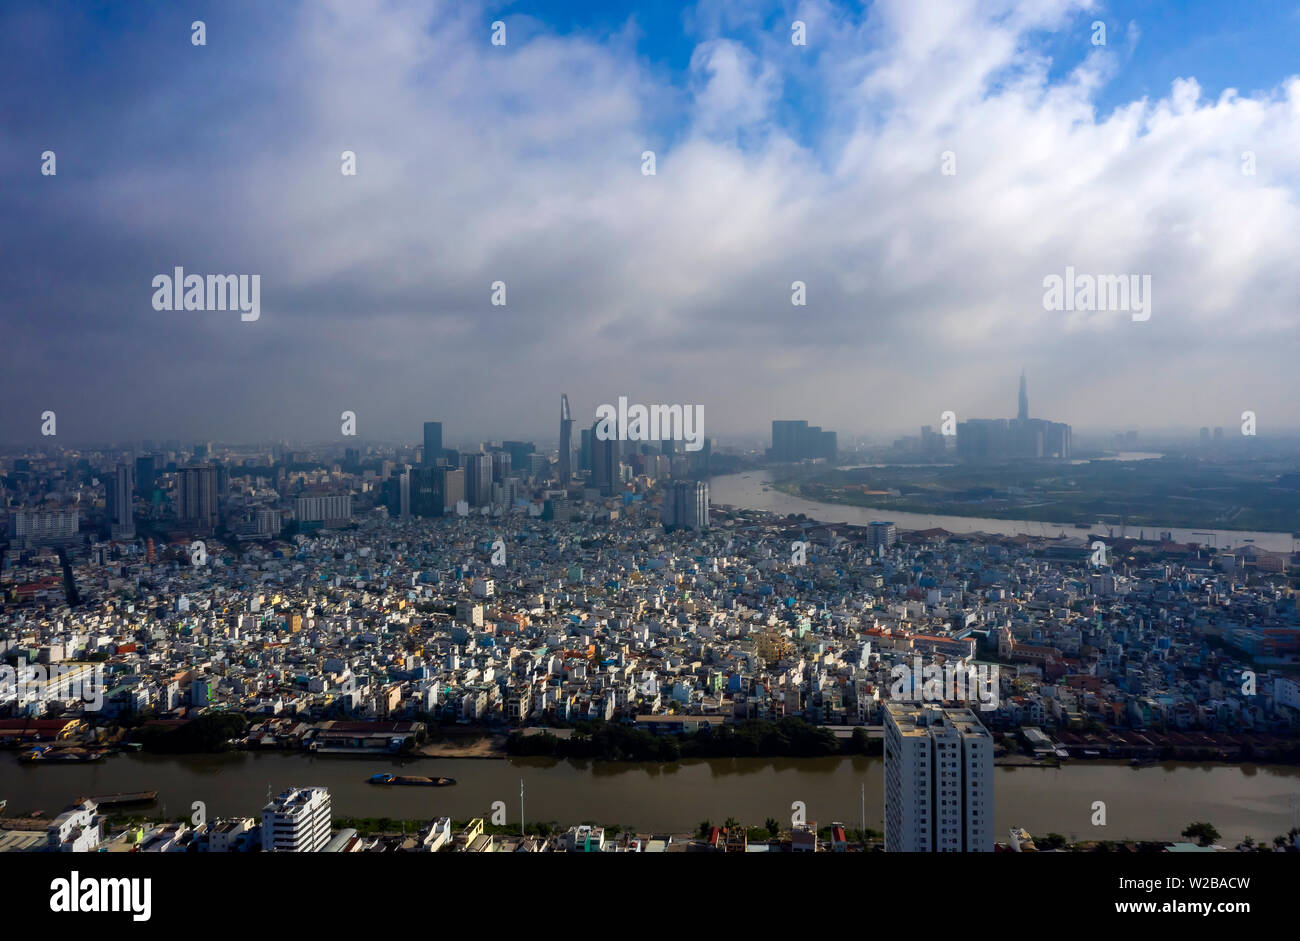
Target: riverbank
486 746
1155 494
753 491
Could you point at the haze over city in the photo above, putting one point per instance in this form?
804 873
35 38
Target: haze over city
523 163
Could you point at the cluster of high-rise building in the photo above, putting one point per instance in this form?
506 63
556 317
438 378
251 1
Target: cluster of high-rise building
798 441
252 495
1019 438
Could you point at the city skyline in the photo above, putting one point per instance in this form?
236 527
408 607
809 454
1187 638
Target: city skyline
472 438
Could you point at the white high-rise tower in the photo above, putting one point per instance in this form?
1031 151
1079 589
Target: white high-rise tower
938 781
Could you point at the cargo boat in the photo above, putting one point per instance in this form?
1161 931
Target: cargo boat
414 779
48 753
125 800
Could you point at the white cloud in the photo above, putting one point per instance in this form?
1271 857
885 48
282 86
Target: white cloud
479 163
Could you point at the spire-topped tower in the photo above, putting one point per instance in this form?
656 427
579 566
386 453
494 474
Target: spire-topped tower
565 471
1023 414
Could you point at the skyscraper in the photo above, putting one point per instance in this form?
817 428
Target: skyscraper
518 451
121 490
196 496
604 462
566 442
146 471
685 506
785 439
502 464
938 780
432 443
584 450
1023 413
478 478
397 494
435 490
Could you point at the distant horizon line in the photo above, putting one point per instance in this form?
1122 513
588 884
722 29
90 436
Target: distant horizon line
1167 434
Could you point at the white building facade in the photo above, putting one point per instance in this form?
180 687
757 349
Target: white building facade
938 781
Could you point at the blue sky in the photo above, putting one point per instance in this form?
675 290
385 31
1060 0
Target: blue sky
1248 46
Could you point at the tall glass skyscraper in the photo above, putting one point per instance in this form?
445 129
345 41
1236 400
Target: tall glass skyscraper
432 442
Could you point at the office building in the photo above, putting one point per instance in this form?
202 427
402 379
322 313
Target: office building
396 494
508 493
146 476
425 488
539 466
565 469
298 821
518 451
478 478
119 502
584 450
938 780
604 463
432 443
434 491
196 496
502 465
685 506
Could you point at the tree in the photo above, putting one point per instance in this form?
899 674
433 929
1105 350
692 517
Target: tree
705 827
1052 841
731 823
861 741
771 826
1202 832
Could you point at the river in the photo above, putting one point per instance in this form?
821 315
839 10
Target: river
747 491
1150 802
